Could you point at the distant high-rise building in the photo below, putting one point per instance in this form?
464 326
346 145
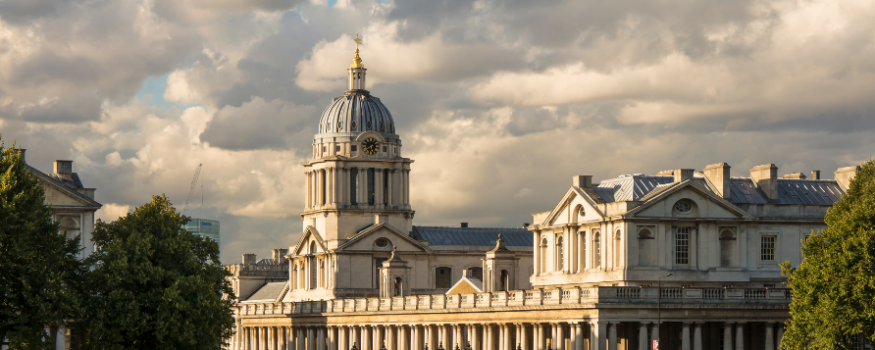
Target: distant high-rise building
204 228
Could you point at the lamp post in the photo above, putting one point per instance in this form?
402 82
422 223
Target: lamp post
659 304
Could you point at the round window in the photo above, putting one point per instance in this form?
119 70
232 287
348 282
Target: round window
382 243
683 207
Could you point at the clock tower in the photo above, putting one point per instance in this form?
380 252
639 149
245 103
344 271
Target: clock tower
356 176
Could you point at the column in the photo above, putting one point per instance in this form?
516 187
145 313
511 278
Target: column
770 336
476 338
560 336
376 338
697 336
401 338
457 337
320 338
642 337
612 335
739 336
580 337
311 338
61 338
391 337
262 338
685 336
445 337
600 335
415 335
378 187
432 337
523 337
363 338
299 344
552 336
727 335
342 338
654 333
490 339
541 338
332 338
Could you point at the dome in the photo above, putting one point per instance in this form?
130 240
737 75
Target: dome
354 113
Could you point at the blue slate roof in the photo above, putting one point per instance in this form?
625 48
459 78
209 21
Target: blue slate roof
472 236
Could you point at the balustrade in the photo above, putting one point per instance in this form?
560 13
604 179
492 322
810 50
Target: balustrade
548 297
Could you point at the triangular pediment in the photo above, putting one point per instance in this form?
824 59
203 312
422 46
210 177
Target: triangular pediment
366 239
311 235
707 204
59 195
575 207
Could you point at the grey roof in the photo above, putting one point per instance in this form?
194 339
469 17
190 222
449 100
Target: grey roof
640 187
270 291
472 236
790 191
355 112
632 187
265 262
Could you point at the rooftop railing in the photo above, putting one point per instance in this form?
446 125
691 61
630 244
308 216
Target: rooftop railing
558 297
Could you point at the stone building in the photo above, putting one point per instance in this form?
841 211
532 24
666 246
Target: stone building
684 257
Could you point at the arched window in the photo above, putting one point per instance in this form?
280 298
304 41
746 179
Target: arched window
597 250
398 286
544 255
560 255
727 247
324 185
505 281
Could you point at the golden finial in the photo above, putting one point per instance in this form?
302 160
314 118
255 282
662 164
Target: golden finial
357 61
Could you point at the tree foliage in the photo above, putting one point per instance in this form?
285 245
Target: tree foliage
834 286
39 268
155 285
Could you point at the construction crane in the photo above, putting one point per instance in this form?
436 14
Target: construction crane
197 173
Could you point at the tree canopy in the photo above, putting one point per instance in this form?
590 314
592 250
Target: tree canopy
834 286
155 285
39 268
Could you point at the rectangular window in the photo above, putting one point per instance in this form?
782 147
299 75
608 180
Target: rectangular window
353 148
682 246
384 149
337 149
767 248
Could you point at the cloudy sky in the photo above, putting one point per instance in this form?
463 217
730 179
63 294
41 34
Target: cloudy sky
499 102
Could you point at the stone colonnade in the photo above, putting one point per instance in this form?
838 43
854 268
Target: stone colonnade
348 185
569 335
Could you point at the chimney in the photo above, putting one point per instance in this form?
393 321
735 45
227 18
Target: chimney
64 167
248 259
681 175
279 255
794 176
464 225
815 174
718 175
581 181
845 175
766 178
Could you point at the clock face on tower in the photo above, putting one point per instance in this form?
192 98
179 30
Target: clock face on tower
370 146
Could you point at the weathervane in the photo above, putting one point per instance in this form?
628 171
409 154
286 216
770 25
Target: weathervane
357 61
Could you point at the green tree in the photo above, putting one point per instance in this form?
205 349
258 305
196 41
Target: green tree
39 268
156 285
834 286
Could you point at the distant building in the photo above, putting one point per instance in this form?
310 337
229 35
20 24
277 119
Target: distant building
204 228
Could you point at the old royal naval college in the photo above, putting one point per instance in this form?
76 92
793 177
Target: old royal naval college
685 257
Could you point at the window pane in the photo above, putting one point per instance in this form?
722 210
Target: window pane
682 246
767 248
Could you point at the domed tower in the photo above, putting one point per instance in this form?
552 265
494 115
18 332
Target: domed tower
357 176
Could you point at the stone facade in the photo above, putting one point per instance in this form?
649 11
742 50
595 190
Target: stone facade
684 257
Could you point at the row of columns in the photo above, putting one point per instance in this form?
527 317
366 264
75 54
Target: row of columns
598 335
333 186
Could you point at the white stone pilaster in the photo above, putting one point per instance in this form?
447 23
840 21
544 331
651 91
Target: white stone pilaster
739 336
697 336
685 336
